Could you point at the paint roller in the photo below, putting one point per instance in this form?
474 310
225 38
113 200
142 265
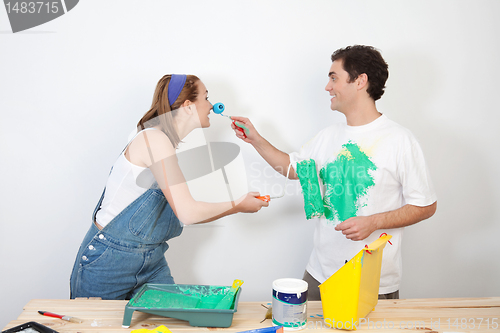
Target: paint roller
218 108
268 198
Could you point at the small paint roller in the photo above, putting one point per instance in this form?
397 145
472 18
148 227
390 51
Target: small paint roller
268 198
218 108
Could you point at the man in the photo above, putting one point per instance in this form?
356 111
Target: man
372 172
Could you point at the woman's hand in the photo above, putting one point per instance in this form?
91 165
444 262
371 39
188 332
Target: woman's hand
245 130
249 203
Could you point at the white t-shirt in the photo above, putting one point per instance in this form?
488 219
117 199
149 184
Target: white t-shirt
367 169
125 184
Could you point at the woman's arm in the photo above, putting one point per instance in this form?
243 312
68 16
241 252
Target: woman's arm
156 152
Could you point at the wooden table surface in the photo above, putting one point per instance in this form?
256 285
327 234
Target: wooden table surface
422 315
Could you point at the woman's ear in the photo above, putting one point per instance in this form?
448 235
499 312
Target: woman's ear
187 105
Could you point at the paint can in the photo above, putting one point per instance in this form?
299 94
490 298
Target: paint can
290 303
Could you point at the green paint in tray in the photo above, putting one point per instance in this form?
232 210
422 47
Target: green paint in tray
187 299
161 299
194 303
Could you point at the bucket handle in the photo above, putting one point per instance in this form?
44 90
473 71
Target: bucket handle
367 248
385 234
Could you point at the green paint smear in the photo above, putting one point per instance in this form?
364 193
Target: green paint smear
242 126
183 298
313 204
346 180
236 123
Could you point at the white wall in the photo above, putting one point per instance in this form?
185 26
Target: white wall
72 89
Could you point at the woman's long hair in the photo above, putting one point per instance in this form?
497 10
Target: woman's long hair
160 112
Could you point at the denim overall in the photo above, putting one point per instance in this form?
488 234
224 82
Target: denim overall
113 263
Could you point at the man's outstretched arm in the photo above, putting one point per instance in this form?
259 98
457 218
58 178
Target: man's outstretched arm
272 155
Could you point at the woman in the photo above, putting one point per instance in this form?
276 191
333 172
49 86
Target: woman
146 200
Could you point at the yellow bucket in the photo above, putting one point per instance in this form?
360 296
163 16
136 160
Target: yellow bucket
352 292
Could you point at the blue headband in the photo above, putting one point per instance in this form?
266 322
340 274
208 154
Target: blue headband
175 86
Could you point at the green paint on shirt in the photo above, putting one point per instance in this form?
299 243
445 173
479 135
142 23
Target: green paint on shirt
313 204
346 180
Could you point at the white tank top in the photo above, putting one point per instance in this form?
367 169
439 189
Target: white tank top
122 188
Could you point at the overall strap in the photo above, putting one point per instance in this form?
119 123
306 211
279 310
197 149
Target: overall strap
96 209
98 206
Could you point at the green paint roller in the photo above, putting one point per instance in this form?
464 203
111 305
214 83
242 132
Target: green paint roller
313 203
228 300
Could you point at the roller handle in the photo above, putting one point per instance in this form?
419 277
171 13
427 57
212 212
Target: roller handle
240 129
265 198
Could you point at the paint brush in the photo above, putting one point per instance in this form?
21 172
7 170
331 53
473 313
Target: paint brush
67 318
273 329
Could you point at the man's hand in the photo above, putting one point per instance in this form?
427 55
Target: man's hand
357 228
276 158
244 130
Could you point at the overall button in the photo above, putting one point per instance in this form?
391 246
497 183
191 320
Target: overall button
101 236
91 247
84 258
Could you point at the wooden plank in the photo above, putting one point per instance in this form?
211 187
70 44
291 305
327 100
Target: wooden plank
479 302
394 316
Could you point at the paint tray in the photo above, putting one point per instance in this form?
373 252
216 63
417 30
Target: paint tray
32 325
194 303
352 292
